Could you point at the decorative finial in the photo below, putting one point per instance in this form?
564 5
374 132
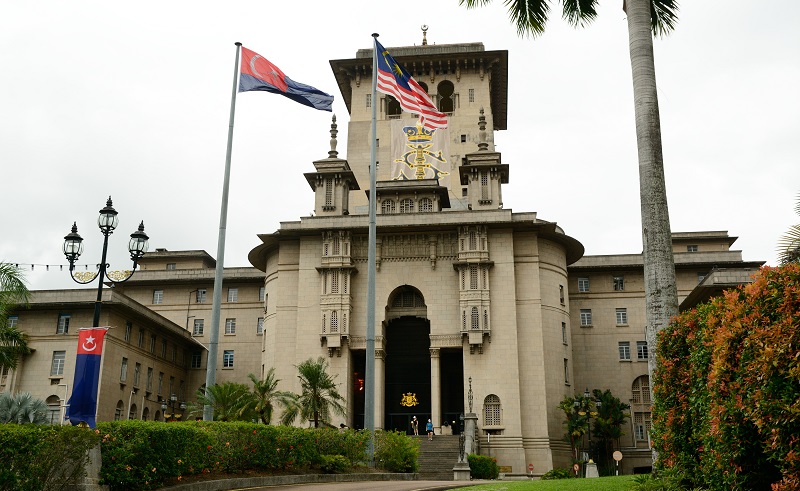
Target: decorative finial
332 154
424 34
482 144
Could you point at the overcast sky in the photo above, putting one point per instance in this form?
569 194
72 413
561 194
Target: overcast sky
132 101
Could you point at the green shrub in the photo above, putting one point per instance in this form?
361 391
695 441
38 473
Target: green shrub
38 457
396 452
557 474
483 467
333 464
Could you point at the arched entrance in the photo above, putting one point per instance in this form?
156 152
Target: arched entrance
408 366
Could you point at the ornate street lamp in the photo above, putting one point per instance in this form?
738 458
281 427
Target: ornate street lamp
173 401
73 248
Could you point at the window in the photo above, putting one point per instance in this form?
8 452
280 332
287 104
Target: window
118 411
197 359
473 277
53 410
230 326
641 390
132 412
491 411
564 332
160 381
172 266
153 343
369 100
13 320
164 348
619 283
561 294
622 317
406 205
691 248
463 138
140 341
446 97
123 371
475 319
425 205
641 350
624 350
128 329
233 294
57 366
227 358
201 295
137 370
174 353
387 207
471 93
260 326
262 294
641 425
566 371
149 379
63 324
158 297
392 107
171 385
198 327
583 285
586 317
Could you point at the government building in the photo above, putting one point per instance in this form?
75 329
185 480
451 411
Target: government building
480 310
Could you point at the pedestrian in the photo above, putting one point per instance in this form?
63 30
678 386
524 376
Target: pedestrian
415 426
429 429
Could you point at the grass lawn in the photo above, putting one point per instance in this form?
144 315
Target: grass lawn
618 483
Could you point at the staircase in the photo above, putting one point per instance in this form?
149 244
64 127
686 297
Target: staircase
437 457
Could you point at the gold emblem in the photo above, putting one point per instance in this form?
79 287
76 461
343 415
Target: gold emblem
409 399
419 142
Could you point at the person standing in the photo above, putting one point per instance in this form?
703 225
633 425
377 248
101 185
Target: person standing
429 429
415 426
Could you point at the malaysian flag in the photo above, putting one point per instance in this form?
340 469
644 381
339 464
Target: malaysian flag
395 81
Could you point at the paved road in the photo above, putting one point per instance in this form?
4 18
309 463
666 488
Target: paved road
366 486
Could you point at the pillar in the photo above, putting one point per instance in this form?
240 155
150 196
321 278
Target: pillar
380 388
436 390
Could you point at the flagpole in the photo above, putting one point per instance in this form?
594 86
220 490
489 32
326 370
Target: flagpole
211 364
369 376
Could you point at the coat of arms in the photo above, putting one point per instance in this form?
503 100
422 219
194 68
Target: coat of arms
409 400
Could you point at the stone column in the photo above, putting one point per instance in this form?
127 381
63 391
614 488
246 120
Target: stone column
380 388
436 390
470 432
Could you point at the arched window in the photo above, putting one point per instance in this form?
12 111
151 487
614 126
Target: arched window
392 106
53 410
145 413
157 416
445 95
491 411
425 205
406 205
423 85
408 299
387 207
335 321
641 390
132 413
475 318
118 411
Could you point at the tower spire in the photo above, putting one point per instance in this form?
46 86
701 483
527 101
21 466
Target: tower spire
332 154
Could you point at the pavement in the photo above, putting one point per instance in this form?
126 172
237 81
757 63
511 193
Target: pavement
368 486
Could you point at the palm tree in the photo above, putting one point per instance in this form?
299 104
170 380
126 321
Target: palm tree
230 402
319 395
789 244
22 408
265 396
13 293
645 18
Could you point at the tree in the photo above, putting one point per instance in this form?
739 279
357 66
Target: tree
608 420
319 395
22 408
13 293
789 244
577 422
265 396
644 17
230 402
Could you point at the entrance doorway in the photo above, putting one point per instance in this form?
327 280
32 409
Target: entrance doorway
408 373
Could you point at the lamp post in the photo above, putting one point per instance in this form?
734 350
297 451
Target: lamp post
73 247
173 401
589 402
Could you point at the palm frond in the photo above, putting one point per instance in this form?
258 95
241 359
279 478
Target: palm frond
663 16
579 13
529 16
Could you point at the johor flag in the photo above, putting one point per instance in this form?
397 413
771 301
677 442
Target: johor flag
395 81
83 403
257 73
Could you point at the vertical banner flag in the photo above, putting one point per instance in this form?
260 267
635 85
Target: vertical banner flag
257 73
83 403
418 153
395 81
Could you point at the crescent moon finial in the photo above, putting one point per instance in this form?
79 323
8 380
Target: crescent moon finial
424 28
